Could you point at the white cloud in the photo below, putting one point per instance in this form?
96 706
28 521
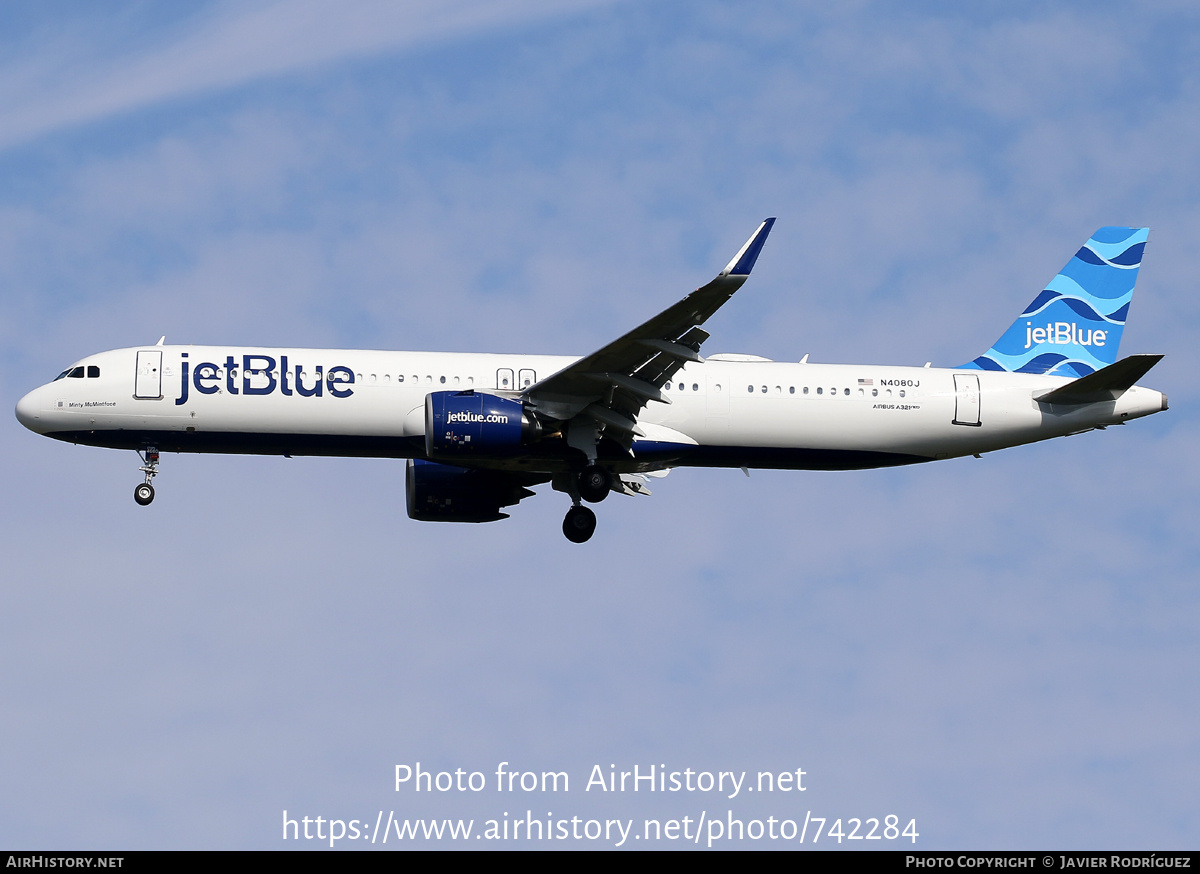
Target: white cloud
229 45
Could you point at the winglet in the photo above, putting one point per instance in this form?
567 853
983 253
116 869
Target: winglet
743 261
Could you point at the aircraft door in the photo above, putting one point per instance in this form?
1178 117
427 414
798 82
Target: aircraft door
716 405
504 379
147 383
966 399
528 378
716 396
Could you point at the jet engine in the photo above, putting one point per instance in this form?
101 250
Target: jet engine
466 424
446 493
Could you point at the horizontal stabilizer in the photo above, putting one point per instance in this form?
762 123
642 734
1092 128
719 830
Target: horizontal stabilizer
1106 384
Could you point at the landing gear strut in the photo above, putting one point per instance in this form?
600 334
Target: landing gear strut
144 492
580 524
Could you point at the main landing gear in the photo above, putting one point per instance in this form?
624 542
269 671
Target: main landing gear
592 485
144 492
580 524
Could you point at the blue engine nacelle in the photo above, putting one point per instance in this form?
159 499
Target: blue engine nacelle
446 493
466 424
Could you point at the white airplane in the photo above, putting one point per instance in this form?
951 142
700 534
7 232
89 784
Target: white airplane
479 430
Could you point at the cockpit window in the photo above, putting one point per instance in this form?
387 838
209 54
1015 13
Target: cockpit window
61 375
93 372
76 373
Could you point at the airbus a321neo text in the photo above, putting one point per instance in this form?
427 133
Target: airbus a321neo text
480 430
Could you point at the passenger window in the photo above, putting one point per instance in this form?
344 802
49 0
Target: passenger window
764 389
93 371
399 377
806 389
901 392
695 386
846 392
820 390
791 389
749 388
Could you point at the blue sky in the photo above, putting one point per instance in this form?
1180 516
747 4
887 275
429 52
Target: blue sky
1004 649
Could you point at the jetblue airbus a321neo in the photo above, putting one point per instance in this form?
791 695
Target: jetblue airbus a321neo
480 430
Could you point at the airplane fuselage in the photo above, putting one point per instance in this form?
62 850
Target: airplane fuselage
747 412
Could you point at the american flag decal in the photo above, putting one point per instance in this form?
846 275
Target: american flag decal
866 382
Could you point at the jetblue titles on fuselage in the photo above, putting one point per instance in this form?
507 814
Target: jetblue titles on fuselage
206 378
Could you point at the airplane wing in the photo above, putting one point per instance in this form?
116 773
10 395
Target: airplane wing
610 387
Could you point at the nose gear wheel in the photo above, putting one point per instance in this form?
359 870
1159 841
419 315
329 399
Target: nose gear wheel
143 493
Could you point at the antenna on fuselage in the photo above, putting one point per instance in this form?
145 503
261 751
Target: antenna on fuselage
161 340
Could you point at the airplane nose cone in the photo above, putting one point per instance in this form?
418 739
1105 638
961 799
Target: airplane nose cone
28 410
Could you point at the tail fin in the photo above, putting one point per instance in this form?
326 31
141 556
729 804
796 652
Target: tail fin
1074 326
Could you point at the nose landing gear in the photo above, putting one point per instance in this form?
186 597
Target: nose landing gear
144 492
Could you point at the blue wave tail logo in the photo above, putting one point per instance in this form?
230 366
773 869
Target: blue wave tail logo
1073 327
